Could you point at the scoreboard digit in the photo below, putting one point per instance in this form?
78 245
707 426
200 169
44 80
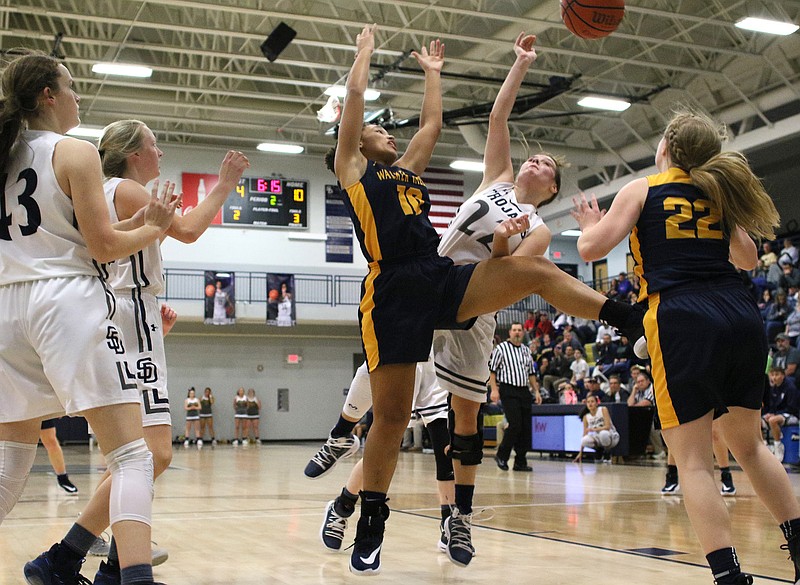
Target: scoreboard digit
267 202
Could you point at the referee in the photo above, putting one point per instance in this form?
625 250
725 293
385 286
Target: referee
511 377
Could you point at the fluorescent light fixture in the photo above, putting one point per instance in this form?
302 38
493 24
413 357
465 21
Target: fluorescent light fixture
599 103
120 69
280 147
86 132
467 165
571 233
773 27
340 91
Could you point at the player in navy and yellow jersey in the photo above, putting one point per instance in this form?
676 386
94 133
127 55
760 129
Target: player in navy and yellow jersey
692 225
410 290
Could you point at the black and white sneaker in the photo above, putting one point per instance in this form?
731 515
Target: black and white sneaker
442 543
366 556
458 530
671 486
66 485
793 546
332 532
43 571
728 489
329 454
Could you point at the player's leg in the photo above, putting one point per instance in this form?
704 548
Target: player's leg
392 394
56 456
18 442
741 428
341 442
723 461
499 282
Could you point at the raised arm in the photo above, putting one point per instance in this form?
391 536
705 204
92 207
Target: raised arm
77 166
419 151
602 231
497 154
349 163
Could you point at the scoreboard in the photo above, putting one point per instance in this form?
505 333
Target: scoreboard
267 201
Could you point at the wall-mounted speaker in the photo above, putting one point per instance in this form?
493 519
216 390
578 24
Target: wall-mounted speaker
277 41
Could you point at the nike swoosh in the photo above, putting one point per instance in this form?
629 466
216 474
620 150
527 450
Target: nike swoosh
371 558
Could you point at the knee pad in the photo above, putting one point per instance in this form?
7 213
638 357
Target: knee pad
440 439
467 449
16 460
131 467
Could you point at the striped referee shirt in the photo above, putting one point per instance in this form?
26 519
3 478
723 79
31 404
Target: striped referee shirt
512 364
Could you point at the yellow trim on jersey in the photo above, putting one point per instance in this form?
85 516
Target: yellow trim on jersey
666 411
638 268
366 220
367 324
671 175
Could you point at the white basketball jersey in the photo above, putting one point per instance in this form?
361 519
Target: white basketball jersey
142 270
469 236
39 235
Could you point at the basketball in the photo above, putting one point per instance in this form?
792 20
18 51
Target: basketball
592 19
273 295
210 290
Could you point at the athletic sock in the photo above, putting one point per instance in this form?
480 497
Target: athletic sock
345 504
672 472
791 528
724 565
372 502
343 428
77 543
446 511
137 575
464 495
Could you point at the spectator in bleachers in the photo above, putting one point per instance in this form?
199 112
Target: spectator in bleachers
530 324
785 356
585 329
547 342
793 326
624 286
545 326
557 372
615 389
571 340
535 346
605 353
592 387
776 317
623 358
781 408
635 286
643 395
790 277
789 253
613 290
602 329
768 257
766 302
579 369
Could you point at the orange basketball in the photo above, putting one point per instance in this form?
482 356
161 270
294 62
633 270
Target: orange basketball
592 19
210 290
273 295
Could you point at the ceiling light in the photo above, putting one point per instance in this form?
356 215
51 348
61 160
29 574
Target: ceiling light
571 233
468 165
86 132
340 91
119 69
599 103
773 27
280 147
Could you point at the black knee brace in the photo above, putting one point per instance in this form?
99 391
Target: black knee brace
467 449
440 439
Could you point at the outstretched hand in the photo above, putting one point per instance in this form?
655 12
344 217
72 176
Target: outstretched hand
523 47
366 38
586 212
512 226
431 59
233 165
160 211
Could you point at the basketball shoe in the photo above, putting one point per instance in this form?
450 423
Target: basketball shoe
458 529
333 527
793 546
671 485
366 556
329 454
66 484
741 579
442 544
43 570
728 489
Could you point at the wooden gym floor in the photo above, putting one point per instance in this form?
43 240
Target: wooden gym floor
247 515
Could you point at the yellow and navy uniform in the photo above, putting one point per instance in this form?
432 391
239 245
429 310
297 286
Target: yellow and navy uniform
410 290
704 333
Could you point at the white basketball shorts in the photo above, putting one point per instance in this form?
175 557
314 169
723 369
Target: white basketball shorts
462 359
